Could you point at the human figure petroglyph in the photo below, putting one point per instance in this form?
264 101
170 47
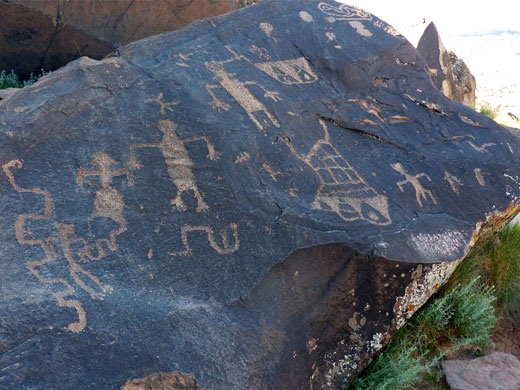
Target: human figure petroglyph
341 189
64 238
109 202
343 12
293 71
239 91
178 162
420 191
164 105
222 250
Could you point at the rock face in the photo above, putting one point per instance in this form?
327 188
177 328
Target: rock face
259 200
48 34
448 72
496 371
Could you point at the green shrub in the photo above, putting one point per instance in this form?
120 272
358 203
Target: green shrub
461 316
488 112
11 80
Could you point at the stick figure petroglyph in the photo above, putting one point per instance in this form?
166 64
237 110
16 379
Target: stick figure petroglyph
341 189
420 191
178 162
222 250
164 106
238 90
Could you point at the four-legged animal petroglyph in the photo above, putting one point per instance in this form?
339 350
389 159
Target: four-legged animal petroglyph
109 201
420 191
239 91
294 71
65 239
343 12
178 162
222 250
341 189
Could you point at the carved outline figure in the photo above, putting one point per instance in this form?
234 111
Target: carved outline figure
178 162
293 71
342 190
420 191
226 248
237 89
343 12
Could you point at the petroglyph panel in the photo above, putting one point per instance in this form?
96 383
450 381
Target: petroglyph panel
255 109
342 190
420 192
224 248
108 203
343 12
178 162
294 71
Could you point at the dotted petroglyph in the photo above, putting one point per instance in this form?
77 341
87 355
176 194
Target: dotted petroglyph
341 189
305 16
164 105
360 28
178 162
239 91
454 182
420 192
223 249
343 12
293 71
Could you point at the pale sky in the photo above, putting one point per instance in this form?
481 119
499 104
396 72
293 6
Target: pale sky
451 17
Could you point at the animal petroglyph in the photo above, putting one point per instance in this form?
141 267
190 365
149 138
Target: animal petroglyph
293 71
164 105
222 250
109 201
65 239
341 189
454 182
239 91
420 192
343 12
178 162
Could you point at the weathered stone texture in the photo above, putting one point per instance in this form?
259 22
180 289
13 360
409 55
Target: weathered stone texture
259 200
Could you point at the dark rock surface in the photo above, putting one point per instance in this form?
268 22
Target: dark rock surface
496 371
259 200
48 34
448 72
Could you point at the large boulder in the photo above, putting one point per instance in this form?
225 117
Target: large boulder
48 34
257 201
448 72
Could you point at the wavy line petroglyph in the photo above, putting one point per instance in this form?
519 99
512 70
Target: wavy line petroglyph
341 189
343 12
420 192
239 91
293 71
454 182
222 250
65 238
164 105
178 162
